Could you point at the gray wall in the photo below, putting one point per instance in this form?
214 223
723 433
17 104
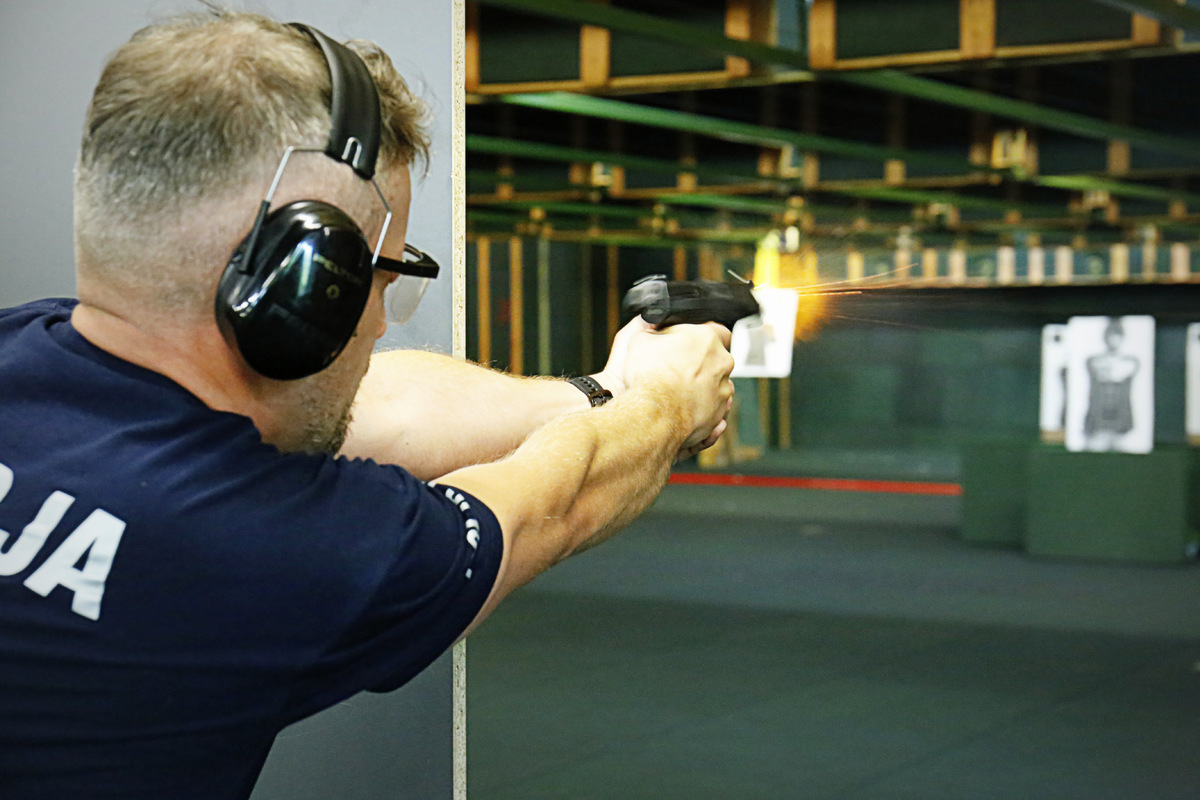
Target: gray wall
51 53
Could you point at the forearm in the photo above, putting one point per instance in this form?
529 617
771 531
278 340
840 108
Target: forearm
432 414
578 480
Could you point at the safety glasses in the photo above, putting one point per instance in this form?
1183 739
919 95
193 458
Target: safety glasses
416 269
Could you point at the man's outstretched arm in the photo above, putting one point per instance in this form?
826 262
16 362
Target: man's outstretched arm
432 414
582 477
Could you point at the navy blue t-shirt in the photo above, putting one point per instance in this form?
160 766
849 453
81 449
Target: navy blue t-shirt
173 591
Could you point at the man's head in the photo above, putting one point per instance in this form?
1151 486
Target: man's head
185 129
192 115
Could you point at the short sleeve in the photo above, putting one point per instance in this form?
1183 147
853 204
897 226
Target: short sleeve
434 583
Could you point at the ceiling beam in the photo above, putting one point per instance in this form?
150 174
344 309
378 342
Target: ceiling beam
610 210
724 129
748 205
780 207
895 194
523 148
1137 191
1167 12
885 80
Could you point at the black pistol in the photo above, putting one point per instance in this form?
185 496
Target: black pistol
663 303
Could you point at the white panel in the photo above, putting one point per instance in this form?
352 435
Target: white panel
1193 381
762 345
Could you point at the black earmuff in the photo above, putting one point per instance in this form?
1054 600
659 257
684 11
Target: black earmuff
296 286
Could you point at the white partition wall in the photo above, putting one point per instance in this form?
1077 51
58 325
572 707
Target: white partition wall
51 52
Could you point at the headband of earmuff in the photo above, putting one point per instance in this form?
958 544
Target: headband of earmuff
354 107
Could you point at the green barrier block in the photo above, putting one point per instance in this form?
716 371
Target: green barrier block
1113 506
995 481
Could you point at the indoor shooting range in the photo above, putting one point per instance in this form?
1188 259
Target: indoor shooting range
946 547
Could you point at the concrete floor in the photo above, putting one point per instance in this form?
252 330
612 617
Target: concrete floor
707 653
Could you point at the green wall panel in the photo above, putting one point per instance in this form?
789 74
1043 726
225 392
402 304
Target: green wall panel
949 349
1030 22
634 55
863 394
882 27
516 48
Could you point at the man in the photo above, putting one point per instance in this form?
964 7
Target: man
186 565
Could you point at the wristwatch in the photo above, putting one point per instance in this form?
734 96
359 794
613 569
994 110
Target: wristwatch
597 395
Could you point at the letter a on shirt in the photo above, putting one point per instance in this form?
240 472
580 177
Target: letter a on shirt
98 537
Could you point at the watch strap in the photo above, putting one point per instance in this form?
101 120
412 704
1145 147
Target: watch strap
597 395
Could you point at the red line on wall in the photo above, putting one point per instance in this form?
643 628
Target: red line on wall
827 484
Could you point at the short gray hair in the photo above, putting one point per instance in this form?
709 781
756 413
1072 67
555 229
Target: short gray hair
199 107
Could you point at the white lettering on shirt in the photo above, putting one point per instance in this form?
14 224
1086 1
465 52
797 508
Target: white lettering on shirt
20 555
97 537
472 523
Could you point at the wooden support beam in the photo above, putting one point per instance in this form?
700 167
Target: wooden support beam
471 79
1146 30
679 263
594 45
710 264
977 28
483 293
822 34
737 26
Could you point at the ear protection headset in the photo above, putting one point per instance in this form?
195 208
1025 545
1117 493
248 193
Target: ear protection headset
296 286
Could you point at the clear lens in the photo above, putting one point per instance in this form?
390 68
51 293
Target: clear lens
402 296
